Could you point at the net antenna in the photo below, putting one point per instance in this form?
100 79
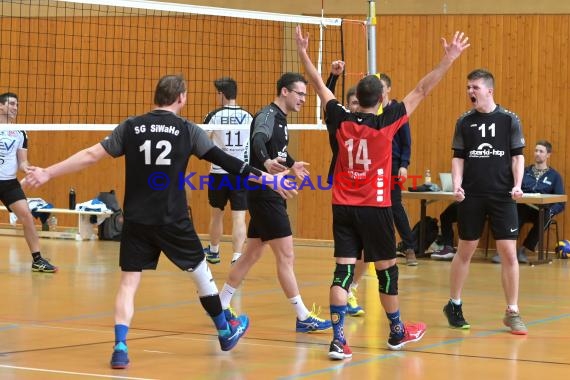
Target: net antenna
320 61
371 28
90 64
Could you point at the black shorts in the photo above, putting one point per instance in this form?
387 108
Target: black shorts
141 245
472 213
10 192
224 187
364 228
269 219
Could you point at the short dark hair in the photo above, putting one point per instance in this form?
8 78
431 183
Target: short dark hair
386 79
545 144
226 86
4 97
482 74
287 80
168 88
369 91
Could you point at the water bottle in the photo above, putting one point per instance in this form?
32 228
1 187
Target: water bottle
427 178
72 199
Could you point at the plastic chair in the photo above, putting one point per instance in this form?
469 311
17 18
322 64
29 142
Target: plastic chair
554 223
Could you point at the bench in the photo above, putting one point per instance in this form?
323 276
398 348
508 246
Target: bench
84 226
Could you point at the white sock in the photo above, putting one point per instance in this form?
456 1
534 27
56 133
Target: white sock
300 308
513 308
214 248
353 286
455 302
236 256
226 295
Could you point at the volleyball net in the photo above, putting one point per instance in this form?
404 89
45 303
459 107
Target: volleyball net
89 64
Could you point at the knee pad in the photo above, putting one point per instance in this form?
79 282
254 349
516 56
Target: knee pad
203 279
343 275
388 280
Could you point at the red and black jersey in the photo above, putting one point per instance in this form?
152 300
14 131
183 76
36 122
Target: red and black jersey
363 153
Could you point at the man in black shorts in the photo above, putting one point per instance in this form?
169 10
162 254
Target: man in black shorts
361 190
157 147
224 187
353 308
269 223
14 157
487 170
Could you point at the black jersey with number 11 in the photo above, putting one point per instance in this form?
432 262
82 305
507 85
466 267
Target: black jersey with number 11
486 141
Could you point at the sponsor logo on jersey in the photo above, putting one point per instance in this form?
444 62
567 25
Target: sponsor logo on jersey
486 150
283 153
236 119
6 145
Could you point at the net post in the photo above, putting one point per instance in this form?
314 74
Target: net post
320 71
371 29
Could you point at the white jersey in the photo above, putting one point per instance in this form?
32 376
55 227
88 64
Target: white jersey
10 142
234 142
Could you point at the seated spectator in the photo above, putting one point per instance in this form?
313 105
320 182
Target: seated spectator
537 178
446 218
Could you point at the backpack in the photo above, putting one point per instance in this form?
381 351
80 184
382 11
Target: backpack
112 227
110 200
431 232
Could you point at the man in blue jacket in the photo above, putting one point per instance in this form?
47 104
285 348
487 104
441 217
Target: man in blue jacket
401 152
537 178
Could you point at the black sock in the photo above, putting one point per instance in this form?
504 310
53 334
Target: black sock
212 305
36 256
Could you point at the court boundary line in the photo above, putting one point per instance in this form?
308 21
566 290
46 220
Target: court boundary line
422 350
73 373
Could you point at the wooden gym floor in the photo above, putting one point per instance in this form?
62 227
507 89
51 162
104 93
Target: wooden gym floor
60 326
